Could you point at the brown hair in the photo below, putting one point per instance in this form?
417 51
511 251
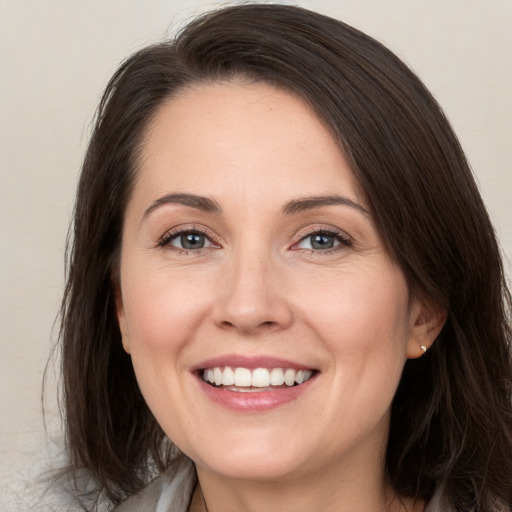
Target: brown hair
451 419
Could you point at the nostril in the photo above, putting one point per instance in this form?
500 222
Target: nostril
267 325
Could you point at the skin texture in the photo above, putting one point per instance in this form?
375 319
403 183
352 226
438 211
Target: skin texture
258 288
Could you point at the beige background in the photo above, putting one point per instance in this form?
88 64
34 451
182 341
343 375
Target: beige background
55 59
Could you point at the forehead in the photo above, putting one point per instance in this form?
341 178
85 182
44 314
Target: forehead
241 137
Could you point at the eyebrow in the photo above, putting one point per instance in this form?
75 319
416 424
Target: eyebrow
194 201
294 206
309 203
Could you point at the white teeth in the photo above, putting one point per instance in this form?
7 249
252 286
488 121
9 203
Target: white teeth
229 377
217 375
289 377
257 378
277 377
307 375
242 377
260 378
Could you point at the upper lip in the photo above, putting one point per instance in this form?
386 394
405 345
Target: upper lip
250 362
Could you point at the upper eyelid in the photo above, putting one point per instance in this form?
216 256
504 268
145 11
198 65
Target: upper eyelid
302 233
345 241
180 230
305 232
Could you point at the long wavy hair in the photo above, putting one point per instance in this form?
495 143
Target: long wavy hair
451 421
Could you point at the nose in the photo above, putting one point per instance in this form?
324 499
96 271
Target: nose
251 299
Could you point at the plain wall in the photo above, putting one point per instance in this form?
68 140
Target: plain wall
56 57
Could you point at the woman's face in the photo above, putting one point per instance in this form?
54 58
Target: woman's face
249 257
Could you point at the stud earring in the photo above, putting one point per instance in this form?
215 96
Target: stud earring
424 348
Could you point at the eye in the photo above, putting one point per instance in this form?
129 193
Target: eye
322 241
189 240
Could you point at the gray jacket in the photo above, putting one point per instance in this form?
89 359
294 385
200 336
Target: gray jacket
55 492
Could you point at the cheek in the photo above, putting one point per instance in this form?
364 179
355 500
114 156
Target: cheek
160 318
162 315
365 325
159 310
363 312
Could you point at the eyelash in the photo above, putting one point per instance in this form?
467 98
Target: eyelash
342 239
167 238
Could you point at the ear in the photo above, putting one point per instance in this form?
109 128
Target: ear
427 320
121 318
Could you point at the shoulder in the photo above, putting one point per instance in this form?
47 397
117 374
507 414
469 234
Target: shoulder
170 492
47 486
439 503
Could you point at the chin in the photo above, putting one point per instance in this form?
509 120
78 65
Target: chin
257 461
263 468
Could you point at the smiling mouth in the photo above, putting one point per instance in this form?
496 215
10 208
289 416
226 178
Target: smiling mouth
257 379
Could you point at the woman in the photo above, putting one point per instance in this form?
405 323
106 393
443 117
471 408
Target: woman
284 290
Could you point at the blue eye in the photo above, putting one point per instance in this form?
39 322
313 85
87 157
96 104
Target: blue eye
188 240
322 241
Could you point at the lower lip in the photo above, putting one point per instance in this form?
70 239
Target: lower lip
253 401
